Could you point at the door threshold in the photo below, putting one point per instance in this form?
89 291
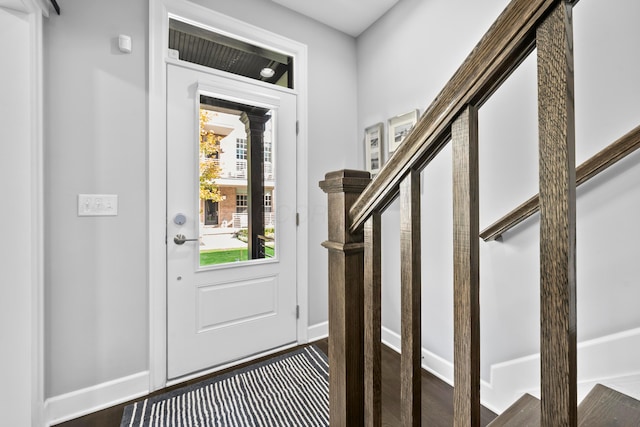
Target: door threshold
230 364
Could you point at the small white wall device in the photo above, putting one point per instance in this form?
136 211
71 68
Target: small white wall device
97 204
124 43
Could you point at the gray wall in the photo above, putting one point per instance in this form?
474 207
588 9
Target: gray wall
95 142
403 62
95 137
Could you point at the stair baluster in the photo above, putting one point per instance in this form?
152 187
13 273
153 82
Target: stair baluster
466 270
372 322
557 220
410 300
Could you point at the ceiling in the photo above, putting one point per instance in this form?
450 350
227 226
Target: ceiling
26 6
349 16
12 4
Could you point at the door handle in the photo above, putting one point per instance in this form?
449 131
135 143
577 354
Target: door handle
181 238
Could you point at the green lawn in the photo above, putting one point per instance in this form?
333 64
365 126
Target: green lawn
223 256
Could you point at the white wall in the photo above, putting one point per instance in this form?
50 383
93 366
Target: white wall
403 62
95 136
17 261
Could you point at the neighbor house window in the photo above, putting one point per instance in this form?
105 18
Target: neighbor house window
242 203
241 149
267 202
267 152
241 157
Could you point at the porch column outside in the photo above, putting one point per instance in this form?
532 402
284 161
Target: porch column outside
255 125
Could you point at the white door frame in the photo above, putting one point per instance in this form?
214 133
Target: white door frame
32 321
159 11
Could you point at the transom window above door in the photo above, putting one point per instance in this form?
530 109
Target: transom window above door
205 47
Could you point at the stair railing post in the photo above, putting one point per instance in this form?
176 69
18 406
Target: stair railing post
558 351
373 321
466 269
346 300
410 302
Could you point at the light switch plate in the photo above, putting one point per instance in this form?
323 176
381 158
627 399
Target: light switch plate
97 204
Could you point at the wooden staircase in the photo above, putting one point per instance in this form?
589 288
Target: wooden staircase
602 407
524 413
606 407
356 204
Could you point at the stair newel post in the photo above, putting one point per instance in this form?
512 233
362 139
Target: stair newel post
466 270
346 300
557 219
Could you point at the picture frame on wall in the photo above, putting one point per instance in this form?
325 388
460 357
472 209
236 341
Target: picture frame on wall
399 128
373 148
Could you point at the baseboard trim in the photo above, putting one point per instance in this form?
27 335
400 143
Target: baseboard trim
72 405
318 331
608 360
431 362
391 339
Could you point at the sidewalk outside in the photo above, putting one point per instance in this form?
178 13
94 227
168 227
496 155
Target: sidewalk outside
220 238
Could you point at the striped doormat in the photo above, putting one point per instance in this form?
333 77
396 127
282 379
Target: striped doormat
288 390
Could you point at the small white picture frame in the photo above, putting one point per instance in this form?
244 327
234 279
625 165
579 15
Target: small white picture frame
399 128
373 148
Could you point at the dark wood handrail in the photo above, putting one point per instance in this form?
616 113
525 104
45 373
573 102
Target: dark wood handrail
609 156
505 45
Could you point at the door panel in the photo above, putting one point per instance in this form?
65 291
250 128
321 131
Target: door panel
224 312
225 304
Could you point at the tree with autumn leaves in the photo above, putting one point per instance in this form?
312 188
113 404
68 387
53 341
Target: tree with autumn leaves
209 160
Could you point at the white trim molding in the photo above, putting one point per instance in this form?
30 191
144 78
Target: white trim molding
318 331
72 405
31 12
610 360
37 215
431 362
159 12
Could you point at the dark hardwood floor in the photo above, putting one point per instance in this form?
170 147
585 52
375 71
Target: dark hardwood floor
437 398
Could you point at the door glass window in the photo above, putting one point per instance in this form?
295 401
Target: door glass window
237 182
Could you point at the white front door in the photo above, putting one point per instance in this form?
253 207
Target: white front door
220 310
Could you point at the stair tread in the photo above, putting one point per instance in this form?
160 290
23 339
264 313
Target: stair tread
604 406
525 412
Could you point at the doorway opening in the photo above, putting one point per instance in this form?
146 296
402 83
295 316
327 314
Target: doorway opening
234 308
159 276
